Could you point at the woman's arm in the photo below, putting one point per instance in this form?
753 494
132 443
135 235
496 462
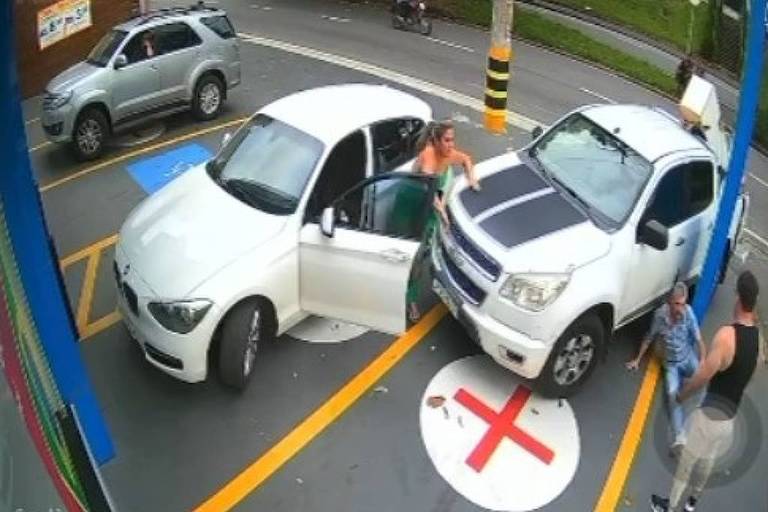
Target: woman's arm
465 161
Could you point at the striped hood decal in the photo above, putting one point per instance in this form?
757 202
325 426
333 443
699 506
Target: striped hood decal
517 205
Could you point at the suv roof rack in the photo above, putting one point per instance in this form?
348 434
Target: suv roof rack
165 12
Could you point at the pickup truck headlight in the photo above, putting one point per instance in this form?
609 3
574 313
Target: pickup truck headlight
57 100
534 292
181 316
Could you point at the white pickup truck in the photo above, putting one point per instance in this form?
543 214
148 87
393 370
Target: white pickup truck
581 232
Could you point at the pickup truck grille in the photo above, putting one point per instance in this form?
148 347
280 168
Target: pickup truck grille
485 262
474 293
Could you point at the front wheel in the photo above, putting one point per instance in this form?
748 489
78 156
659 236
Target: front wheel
572 359
425 26
397 22
245 327
90 134
209 98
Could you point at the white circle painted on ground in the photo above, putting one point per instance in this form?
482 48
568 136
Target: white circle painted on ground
499 445
317 329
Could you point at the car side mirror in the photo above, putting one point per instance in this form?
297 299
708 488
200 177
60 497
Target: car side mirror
121 61
653 234
225 139
328 222
536 132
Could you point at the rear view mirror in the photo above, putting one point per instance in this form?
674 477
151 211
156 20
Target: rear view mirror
327 222
536 132
121 61
653 234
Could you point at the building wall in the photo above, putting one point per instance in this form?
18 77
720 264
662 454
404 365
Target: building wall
36 67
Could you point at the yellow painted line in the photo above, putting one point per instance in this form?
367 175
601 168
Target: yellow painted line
496 94
496 75
264 467
88 251
137 152
633 436
99 325
86 292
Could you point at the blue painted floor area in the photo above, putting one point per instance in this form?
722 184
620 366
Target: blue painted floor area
154 172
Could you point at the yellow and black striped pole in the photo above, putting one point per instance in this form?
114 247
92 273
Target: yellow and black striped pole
497 74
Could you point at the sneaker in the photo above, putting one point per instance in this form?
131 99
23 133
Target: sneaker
659 504
690 505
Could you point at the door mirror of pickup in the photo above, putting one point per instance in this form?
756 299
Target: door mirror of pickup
653 234
536 132
328 222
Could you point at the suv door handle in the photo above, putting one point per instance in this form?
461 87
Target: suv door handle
680 241
394 255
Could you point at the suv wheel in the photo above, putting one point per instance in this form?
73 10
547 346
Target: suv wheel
209 98
573 358
90 134
245 327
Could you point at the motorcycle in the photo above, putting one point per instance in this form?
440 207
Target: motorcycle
411 14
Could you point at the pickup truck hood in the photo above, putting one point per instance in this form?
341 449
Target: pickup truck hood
189 230
525 224
69 78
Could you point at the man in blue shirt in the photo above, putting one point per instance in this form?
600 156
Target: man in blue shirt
676 329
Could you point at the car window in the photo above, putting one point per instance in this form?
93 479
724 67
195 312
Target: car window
142 46
682 193
267 164
394 142
176 36
105 48
220 25
344 168
396 206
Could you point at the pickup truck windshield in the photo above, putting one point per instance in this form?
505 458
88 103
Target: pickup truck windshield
598 169
267 165
103 51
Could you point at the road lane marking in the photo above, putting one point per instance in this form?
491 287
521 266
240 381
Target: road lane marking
335 19
757 237
86 291
630 442
32 121
264 467
102 324
86 252
452 44
759 180
39 146
137 152
597 95
514 119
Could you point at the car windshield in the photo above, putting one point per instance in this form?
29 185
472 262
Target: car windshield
267 165
105 48
600 171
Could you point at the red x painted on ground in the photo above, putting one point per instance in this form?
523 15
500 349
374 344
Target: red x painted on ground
501 425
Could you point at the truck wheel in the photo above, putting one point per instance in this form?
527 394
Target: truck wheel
245 327
208 98
573 358
90 134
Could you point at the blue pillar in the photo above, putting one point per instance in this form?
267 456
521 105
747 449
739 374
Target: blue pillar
30 240
749 97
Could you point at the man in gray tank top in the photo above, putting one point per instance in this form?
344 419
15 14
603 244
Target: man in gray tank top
726 370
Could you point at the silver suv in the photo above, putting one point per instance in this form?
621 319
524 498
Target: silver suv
150 66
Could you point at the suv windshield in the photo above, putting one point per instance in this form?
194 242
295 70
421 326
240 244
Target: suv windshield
105 48
267 164
600 171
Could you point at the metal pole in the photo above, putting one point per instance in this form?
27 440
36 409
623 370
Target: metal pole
497 74
750 92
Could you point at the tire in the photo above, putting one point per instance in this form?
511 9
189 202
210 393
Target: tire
208 98
425 27
564 372
90 134
396 23
248 325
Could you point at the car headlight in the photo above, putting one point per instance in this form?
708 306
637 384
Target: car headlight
57 100
181 316
534 292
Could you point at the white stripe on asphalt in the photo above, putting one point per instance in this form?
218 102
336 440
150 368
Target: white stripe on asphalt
452 45
516 120
597 95
760 181
490 212
33 120
757 237
335 18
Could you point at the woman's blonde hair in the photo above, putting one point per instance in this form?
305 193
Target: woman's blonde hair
432 133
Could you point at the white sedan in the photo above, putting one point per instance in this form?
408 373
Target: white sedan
304 210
